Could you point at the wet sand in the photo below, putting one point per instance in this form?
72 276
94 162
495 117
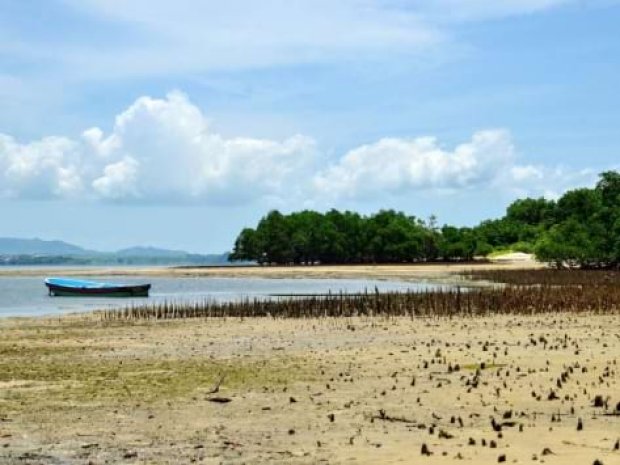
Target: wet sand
408 272
361 391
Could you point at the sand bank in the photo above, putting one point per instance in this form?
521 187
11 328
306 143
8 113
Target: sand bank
401 272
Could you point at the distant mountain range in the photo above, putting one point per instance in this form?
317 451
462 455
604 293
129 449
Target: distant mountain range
14 251
13 246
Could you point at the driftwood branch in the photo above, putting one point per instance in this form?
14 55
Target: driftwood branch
385 417
216 387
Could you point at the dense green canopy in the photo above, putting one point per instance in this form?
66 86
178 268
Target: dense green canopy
582 228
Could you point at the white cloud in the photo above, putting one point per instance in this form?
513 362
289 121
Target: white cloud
94 139
549 182
526 173
39 169
160 150
163 150
192 36
157 38
160 37
118 180
400 165
179 157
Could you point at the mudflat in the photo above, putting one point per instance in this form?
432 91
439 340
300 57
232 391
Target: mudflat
492 389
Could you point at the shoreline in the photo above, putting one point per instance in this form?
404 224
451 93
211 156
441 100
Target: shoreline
405 272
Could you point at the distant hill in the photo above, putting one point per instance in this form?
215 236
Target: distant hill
15 251
14 246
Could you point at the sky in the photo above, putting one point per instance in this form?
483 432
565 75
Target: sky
176 124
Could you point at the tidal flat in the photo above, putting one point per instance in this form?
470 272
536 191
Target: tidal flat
486 389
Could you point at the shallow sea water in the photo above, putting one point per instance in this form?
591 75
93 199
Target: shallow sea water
27 296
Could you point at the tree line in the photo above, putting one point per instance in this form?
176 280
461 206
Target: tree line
581 228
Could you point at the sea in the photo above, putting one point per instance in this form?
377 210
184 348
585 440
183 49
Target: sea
28 296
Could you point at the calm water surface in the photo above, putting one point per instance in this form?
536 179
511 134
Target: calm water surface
27 296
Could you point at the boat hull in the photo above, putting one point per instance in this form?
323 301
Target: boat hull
141 290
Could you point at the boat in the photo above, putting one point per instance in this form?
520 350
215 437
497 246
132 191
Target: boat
67 287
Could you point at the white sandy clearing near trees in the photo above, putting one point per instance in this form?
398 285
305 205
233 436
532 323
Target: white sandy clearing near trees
514 257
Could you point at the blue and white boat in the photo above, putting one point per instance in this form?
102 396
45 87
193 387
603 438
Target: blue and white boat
77 287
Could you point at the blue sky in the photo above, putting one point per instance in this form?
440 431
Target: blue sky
177 123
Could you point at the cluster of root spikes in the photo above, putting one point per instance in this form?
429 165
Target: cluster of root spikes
575 296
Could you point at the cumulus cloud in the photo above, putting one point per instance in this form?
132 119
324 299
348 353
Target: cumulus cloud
397 165
118 180
39 169
401 167
163 151
160 150
546 181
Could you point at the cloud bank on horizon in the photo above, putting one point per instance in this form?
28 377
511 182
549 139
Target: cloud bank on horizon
164 151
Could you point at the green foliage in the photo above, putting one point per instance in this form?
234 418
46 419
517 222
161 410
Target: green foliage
524 247
565 243
246 245
531 211
309 237
586 232
581 229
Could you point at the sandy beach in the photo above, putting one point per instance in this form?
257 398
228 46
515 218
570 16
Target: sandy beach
407 272
361 390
